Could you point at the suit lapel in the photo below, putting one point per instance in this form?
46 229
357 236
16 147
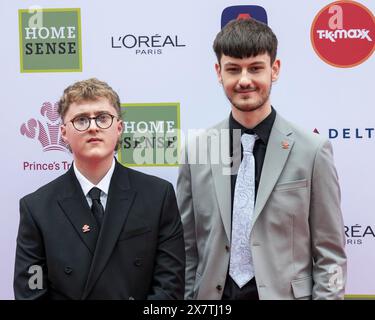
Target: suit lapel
75 207
221 172
279 146
120 198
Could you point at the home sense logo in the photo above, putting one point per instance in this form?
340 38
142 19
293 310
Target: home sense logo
343 34
243 12
50 40
151 134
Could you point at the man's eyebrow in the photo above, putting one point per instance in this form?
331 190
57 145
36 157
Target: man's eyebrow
87 114
230 64
233 64
258 62
81 114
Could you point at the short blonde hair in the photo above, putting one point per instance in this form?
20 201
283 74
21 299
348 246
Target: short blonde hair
90 89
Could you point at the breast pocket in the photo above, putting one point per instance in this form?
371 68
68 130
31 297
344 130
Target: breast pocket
134 232
291 185
289 200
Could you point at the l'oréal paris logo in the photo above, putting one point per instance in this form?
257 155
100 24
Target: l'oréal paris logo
357 234
147 44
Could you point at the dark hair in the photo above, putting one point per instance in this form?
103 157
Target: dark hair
245 38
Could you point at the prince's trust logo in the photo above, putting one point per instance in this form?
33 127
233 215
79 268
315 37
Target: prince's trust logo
47 131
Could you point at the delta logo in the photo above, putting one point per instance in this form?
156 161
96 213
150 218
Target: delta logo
343 34
46 130
50 40
243 12
363 133
151 135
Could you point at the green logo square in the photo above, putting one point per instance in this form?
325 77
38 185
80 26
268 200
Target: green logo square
151 134
50 40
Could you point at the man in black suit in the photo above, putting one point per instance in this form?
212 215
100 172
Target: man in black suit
99 231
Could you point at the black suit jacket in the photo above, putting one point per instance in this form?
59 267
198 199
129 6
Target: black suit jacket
138 253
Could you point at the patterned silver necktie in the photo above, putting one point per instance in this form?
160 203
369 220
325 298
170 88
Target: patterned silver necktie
241 262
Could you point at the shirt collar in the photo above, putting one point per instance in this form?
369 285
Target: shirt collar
86 185
262 129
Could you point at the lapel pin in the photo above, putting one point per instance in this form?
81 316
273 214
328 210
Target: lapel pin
285 145
86 228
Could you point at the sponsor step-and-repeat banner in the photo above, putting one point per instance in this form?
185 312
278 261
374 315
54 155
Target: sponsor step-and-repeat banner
158 57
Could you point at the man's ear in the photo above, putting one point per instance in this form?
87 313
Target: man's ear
120 127
275 69
218 72
63 133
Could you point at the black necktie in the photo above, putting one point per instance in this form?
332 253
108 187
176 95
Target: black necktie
96 208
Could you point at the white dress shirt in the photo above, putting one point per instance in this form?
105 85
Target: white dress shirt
103 184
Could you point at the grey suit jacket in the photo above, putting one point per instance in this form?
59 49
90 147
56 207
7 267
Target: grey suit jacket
297 237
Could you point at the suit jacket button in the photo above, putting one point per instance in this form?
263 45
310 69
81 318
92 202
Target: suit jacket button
219 287
227 248
138 262
68 270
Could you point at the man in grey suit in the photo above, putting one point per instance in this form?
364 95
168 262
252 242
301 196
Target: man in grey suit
268 226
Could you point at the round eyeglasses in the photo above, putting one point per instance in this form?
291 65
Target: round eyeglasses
103 121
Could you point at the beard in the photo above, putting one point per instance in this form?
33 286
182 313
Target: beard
248 104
